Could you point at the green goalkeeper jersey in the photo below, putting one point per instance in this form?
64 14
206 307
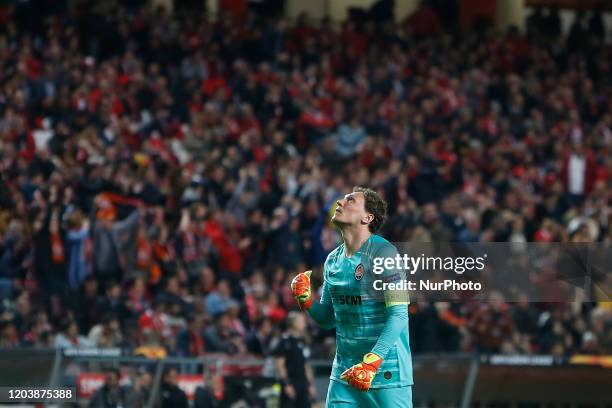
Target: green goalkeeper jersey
368 320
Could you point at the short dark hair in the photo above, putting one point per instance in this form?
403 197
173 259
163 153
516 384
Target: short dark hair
167 372
374 205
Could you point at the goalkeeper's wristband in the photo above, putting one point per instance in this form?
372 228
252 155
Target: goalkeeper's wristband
362 374
300 287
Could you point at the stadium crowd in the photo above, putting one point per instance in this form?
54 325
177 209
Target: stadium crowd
163 177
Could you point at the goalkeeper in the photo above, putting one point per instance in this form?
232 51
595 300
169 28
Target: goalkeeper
373 365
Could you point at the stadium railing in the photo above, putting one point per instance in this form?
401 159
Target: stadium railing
457 380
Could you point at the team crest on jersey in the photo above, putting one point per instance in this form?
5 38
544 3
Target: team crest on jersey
359 272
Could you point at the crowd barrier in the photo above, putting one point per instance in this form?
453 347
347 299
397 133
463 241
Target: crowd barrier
454 380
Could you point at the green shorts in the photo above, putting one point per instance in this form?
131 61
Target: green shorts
342 395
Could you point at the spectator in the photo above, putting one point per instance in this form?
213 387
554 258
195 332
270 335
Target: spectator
108 236
220 300
51 273
525 317
138 394
172 294
220 337
111 394
114 301
492 325
20 308
190 341
78 249
150 345
171 396
439 232
9 336
40 332
259 340
87 304
579 169
471 231
107 333
155 319
204 397
235 323
349 137
138 299
69 337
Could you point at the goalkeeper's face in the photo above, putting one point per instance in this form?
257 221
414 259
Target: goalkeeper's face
350 210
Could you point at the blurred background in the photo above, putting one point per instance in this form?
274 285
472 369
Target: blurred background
167 167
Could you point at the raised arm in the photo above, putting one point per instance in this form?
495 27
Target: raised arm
321 312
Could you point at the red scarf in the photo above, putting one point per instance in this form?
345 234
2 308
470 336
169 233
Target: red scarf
143 253
57 248
196 344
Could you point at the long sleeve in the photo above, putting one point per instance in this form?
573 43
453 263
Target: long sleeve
120 228
80 235
397 320
396 304
322 314
322 311
124 233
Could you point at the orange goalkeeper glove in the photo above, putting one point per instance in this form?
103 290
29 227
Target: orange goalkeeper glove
300 286
361 375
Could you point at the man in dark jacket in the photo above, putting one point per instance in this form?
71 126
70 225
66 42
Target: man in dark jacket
204 397
171 395
190 341
111 394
